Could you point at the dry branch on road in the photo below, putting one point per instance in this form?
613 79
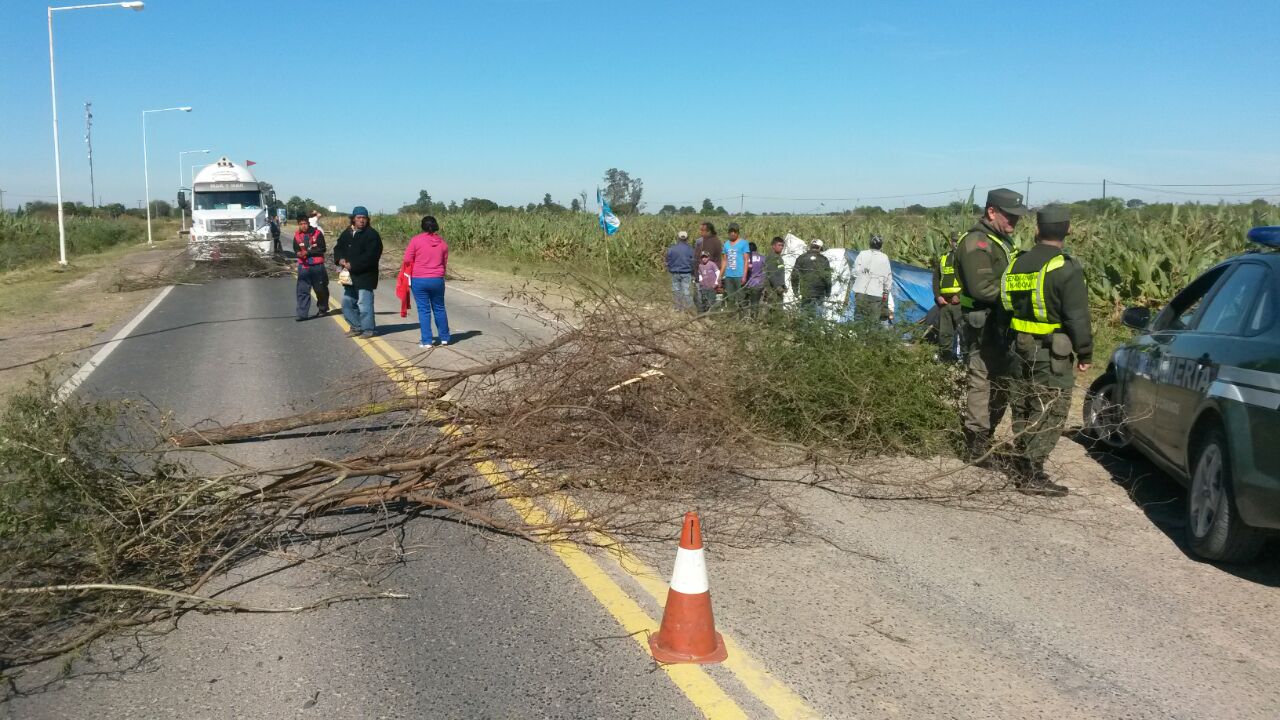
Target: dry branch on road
616 426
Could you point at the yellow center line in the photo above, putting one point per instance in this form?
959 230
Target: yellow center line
775 694
694 681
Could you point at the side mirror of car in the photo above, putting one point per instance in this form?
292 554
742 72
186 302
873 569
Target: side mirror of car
1136 317
182 199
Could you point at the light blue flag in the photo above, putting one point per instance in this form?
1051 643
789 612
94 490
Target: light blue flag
609 222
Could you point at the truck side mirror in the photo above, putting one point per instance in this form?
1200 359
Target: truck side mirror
1136 317
182 200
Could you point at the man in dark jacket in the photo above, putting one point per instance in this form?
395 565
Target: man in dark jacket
680 263
775 274
358 251
811 278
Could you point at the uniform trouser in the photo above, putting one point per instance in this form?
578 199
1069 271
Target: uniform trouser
309 278
867 308
682 290
949 319
987 360
1043 378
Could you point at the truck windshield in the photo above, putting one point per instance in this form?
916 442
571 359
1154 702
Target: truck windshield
246 199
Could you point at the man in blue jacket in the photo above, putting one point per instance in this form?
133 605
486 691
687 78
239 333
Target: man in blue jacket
358 251
680 265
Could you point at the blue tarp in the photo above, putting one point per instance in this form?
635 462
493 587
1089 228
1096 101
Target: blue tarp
912 291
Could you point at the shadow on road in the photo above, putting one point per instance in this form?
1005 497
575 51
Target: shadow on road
1164 502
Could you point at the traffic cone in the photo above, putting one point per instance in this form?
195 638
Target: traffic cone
688 633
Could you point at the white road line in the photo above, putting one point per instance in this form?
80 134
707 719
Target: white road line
74 381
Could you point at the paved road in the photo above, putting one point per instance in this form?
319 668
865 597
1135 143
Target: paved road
1081 608
494 627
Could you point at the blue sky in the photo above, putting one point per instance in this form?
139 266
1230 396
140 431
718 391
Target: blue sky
837 103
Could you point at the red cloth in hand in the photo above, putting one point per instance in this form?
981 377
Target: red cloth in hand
403 291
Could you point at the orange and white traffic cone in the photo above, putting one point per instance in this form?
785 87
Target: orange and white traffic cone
688 633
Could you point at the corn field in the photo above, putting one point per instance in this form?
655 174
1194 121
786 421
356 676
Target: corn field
1130 257
28 240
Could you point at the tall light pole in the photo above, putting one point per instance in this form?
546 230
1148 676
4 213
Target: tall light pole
88 140
185 152
53 95
146 171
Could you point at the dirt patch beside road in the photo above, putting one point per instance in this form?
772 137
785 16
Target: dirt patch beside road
48 313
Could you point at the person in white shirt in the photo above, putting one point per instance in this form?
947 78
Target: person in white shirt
873 284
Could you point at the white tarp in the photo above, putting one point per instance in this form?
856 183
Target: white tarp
841 279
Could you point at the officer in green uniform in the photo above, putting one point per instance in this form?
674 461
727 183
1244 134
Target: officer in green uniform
981 258
1048 304
946 293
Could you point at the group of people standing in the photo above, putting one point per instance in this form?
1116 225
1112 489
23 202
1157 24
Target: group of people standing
710 268
356 256
734 273
1018 321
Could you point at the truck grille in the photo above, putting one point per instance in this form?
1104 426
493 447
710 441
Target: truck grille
232 225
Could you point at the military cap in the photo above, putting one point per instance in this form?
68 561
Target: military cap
1054 213
1007 201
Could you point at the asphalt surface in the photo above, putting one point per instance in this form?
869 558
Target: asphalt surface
1085 607
493 628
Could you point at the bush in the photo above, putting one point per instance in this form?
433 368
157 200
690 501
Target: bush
852 388
29 239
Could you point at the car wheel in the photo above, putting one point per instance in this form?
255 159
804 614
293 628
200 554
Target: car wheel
1214 528
1104 414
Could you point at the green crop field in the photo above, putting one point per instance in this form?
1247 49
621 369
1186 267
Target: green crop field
33 239
1131 256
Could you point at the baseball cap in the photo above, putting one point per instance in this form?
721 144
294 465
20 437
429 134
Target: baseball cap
682 235
1007 201
815 243
1054 213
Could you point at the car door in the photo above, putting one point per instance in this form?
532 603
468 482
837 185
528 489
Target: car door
1149 363
1192 358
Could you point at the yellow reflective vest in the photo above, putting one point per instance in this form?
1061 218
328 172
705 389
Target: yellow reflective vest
948 283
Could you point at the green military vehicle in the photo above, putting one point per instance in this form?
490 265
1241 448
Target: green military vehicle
1198 392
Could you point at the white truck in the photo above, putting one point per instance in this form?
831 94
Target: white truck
228 213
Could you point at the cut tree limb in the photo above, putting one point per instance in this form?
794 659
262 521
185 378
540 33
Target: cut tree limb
245 431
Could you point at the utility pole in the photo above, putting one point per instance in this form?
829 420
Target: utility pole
740 199
1 201
88 139
1026 196
1104 188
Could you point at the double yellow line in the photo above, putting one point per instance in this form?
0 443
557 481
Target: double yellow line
695 681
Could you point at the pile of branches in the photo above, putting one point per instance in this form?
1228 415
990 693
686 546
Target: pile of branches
615 426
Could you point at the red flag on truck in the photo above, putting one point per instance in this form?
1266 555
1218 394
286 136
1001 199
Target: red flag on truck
247 163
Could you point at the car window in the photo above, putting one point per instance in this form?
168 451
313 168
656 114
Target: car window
1181 311
1264 313
1227 309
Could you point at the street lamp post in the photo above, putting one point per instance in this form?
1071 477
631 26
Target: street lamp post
185 152
53 96
146 171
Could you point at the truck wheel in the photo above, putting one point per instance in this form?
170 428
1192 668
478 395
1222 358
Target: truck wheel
1104 414
1214 528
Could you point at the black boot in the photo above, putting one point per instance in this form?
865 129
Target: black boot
1036 482
976 447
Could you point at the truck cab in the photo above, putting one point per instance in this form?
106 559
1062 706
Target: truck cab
228 213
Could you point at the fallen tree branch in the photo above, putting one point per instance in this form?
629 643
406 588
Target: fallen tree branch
231 605
263 428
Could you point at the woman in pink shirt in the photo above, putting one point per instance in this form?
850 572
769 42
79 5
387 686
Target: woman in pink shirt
427 258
